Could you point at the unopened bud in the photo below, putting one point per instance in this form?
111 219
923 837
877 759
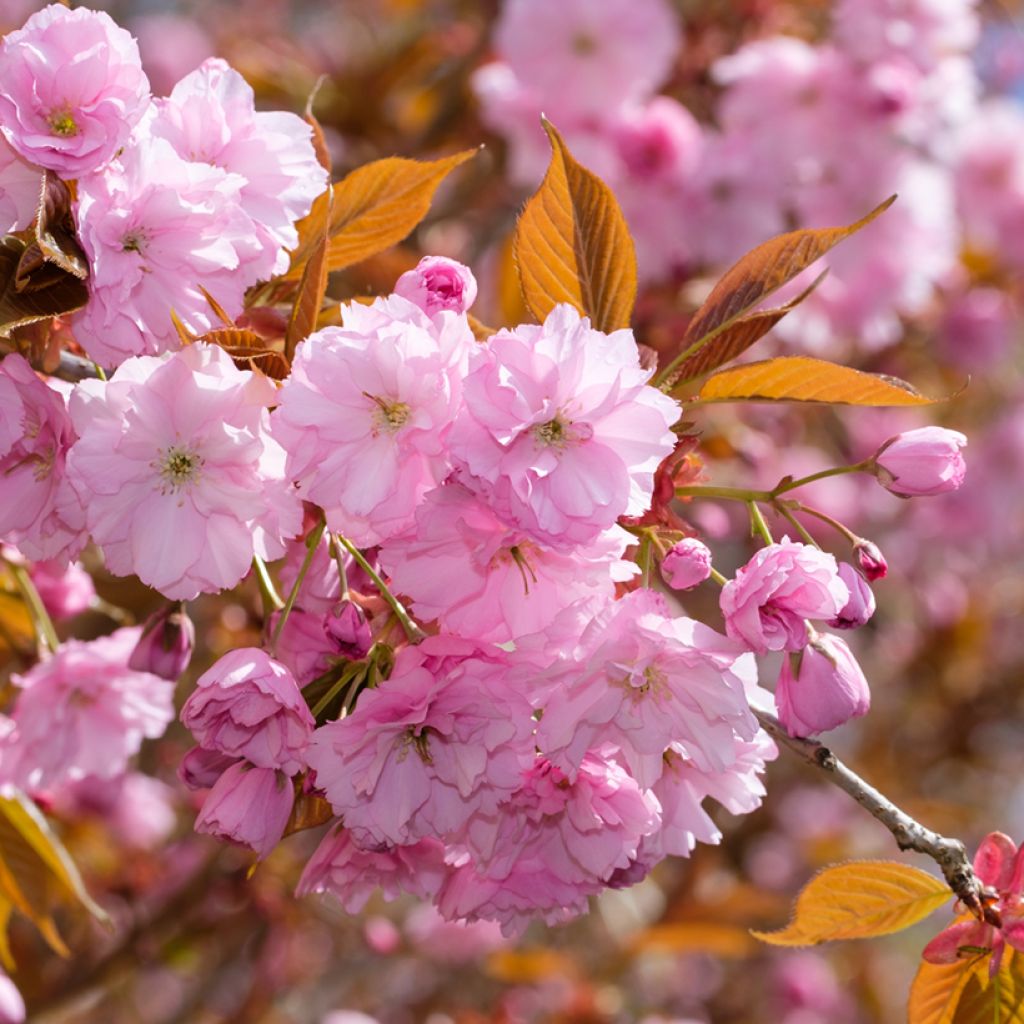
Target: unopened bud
347 625
687 564
922 462
870 560
438 283
165 646
861 605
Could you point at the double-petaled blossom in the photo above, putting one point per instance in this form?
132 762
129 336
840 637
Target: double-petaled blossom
82 712
438 283
922 462
181 480
72 89
561 431
768 602
366 412
40 512
249 705
686 564
442 740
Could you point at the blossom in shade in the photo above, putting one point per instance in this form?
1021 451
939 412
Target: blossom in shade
83 712
71 89
249 705
861 605
687 564
210 117
155 228
350 873
444 738
365 414
248 805
201 768
321 586
438 283
39 512
768 602
922 462
462 565
642 680
20 185
65 590
560 428
165 647
181 480
821 687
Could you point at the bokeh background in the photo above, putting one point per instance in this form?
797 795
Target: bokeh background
752 116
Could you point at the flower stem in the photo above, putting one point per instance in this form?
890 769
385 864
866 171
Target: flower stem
758 527
726 493
41 621
718 577
268 592
834 523
785 512
352 672
412 631
790 485
312 543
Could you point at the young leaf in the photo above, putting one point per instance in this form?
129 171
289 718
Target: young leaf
572 245
310 296
938 988
754 277
46 293
371 209
802 379
249 351
985 1000
735 339
858 901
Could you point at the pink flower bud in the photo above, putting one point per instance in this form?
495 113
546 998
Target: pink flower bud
248 705
821 687
347 625
861 605
687 564
165 647
870 560
201 768
249 805
438 283
922 462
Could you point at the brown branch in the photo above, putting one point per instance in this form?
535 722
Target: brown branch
910 834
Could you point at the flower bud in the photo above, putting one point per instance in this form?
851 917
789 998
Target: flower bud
438 283
861 605
165 647
201 768
921 462
821 687
687 564
870 560
347 625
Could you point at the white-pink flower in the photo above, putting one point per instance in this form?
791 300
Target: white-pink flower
480 577
71 89
20 185
210 116
561 429
366 413
84 712
443 739
40 512
180 478
155 227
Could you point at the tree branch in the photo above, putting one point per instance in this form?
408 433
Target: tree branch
949 854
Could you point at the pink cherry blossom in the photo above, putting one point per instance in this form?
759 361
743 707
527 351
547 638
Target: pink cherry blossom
561 429
181 481
438 283
165 647
366 412
201 768
84 712
321 586
248 805
642 680
922 462
71 89
351 873
687 564
210 117
768 601
155 227
20 185
861 605
12 1005
480 577
40 512
65 590
434 745
248 705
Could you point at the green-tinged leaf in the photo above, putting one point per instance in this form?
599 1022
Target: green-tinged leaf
754 277
310 296
739 336
985 1000
372 209
858 901
938 988
802 379
47 293
572 245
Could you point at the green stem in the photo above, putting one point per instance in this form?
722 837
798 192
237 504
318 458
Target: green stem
790 485
644 559
412 631
834 523
348 677
726 493
758 527
718 577
268 592
312 543
339 561
797 525
41 621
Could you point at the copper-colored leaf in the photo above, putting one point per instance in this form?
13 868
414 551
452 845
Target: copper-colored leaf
249 351
572 245
310 296
323 154
529 965
53 293
754 277
938 988
185 336
309 811
373 208
860 900
480 330
802 379
218 310
55 228
735 339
